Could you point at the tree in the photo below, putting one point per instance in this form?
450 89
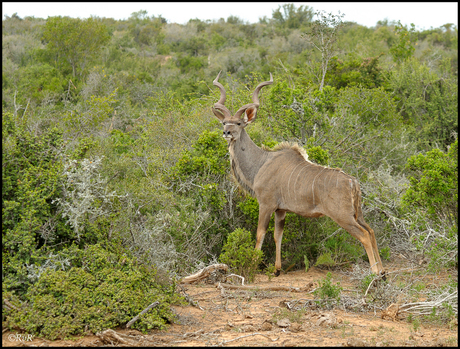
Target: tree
74 41
323 35
288 16
403 49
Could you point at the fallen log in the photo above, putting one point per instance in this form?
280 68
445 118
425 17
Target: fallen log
111 337
203 273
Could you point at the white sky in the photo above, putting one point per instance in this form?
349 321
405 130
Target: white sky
423 14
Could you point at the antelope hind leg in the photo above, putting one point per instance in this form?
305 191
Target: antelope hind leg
364 236
280 217
374 246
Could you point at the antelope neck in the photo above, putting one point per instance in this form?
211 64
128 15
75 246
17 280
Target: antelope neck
246 160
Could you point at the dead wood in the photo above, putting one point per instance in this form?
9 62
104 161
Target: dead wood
134 319
109 336
267 288
203 273
250 335
9 305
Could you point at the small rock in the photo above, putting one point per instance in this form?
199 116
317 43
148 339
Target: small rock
248 328
284 304
327 320
355 342
283 323
295 327
266 326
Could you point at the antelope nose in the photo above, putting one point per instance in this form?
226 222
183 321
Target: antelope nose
226 133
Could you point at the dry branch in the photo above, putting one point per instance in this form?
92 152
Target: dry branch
250 335
8 304
153 305
425 308
203 273
269 288
109 336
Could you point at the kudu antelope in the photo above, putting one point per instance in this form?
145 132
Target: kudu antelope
284 180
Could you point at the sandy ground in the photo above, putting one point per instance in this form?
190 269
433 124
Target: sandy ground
261 318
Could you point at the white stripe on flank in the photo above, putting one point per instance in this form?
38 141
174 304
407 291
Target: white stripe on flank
352 200
288 186
313 185
306 165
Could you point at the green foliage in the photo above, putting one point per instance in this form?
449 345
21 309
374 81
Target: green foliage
323 34
41 81
94 112
365 282
31 179
103 289
354 71
403 48
307 263
208 155
240 255
318 155
325 259
293 316
288 16
270 271
385 253
328 292
74 42
343 247
434 184
427 101
250 207
121 141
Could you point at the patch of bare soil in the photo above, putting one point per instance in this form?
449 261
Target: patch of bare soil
237 317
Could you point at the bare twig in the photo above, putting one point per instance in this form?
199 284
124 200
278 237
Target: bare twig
269 288
250 335
9 305
231 275
153 305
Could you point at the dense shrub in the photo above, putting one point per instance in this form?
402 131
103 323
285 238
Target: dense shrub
434 184
31 179
103 288
239 254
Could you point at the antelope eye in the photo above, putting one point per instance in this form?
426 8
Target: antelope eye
223 123
239 124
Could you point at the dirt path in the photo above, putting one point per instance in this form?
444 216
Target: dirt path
260 318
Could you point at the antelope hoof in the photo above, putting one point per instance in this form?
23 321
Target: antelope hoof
278 272
384 276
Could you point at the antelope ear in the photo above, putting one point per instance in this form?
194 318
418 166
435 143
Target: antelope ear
250 115
218 114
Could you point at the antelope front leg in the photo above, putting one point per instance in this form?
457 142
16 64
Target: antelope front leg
279 226
264 220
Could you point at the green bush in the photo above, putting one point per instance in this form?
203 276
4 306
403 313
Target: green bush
328 292
318 155
207 156
104 288
240 255
31 178
434 184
